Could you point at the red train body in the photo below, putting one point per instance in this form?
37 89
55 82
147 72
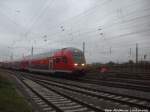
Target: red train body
66 60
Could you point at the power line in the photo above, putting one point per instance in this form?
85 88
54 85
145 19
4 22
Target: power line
104 27
86 32
39 16
87 11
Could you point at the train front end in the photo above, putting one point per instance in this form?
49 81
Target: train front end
79 63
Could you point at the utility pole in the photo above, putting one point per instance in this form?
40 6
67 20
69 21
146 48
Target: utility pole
130 52
83 48
32 51
23 56
11 57
145 56
110 50
136 52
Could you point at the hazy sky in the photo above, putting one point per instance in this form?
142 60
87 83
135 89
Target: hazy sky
109 28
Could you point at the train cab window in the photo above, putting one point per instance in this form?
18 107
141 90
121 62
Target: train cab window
78 56
64 59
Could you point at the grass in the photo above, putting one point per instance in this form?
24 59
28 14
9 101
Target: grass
10 100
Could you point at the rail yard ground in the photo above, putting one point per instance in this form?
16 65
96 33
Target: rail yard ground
10 99
86 94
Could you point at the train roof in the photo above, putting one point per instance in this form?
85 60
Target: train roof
41 55
72 49
50 53
45 54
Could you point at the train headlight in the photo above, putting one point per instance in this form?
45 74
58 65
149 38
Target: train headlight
83 64
75 64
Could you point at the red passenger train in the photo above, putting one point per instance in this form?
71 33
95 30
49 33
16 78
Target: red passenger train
66 60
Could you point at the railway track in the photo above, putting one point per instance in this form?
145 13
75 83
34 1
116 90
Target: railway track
121 75
132 81
50 100
36 97
115 82
136 76
79 91
117 79
121 82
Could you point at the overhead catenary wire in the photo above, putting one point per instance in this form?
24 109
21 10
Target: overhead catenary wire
94 32
45 7
103 28
83 13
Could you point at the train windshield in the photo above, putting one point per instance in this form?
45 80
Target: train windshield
78 56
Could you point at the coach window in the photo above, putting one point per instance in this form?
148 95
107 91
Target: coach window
57 60
64 59
54 61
